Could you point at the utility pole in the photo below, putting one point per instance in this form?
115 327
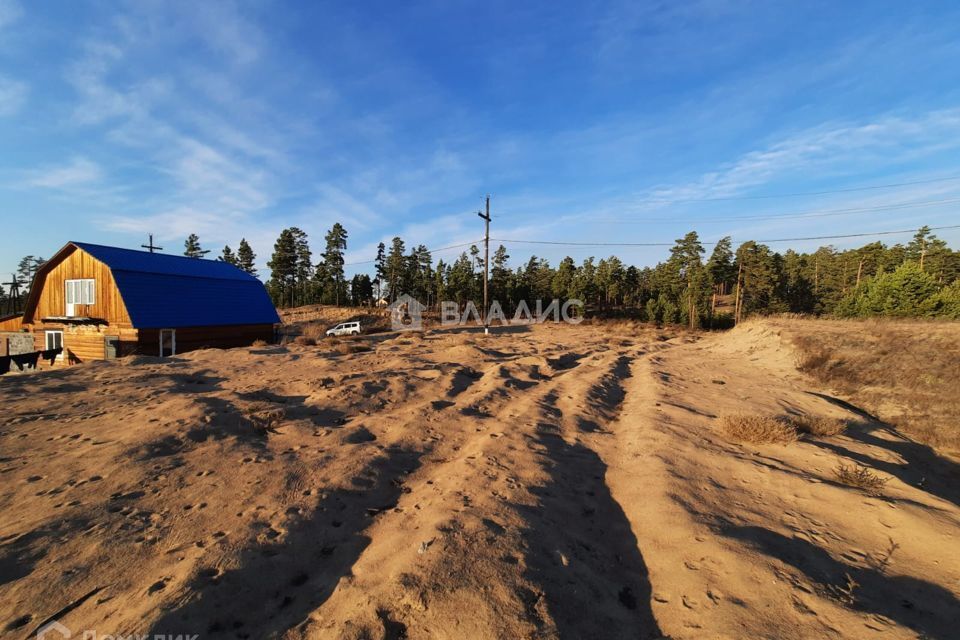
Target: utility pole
13 298
151 247
486 266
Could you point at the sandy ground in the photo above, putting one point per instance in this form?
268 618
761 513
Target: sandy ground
544 482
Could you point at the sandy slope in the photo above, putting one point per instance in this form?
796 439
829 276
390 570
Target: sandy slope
545 482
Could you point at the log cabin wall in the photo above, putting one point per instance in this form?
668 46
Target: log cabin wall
83 343
219 337
108 305
11 323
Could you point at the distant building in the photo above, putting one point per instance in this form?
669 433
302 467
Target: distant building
101 302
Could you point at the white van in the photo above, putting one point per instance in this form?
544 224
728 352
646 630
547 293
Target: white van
345 329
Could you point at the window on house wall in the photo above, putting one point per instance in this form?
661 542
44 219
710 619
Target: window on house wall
79 292
54 340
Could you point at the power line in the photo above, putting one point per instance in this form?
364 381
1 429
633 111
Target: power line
453 246
670 244
799 194
800 214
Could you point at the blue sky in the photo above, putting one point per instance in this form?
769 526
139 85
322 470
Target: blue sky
586 121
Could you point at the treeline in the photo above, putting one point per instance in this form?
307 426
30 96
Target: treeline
690 287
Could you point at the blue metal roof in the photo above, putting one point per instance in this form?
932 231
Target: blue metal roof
175 291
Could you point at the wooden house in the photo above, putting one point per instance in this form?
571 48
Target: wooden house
100 302
11 322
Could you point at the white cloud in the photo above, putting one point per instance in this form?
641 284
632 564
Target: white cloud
206 175
79 171
13 95
98 100
829 148
176 223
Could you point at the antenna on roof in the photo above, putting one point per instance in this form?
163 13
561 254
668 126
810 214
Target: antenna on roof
151 247
13 300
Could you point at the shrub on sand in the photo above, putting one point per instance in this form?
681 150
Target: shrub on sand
315 331
758 429
860 477
349 346
819 425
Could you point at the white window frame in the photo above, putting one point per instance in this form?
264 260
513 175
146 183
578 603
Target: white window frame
173 341
46 341
81 290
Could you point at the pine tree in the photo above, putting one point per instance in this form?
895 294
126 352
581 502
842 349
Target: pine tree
421 275
396 264
585 282
336 240
26 271
562 284
500 277
720 267
303 286
916 250
757 280
361 290
690 276
283 269
246 258
228 256
908 291
380 263
191 247
461 280
441 276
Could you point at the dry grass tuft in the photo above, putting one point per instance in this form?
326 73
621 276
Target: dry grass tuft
768 429
758 429
903 371
348 346
819 425
259 343
816 359
860 477
306 341
315 331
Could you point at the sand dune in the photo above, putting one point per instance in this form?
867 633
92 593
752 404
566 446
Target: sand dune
541 482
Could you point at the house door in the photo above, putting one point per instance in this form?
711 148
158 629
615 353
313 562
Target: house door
168 342
72 298
111 346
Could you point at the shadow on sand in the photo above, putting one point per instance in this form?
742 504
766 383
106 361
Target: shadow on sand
278 584
921 465
582 553
922 606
